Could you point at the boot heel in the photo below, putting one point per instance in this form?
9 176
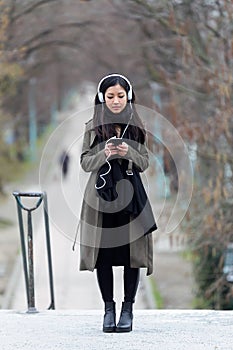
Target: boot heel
125 329
109 324
125 323
109 329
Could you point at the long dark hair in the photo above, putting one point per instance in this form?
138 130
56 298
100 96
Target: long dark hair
103 129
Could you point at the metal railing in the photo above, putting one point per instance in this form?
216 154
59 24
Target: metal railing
27 252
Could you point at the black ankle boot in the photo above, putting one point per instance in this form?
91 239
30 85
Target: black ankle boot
126 318
109 324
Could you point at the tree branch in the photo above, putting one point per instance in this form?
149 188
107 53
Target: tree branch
221 157
32 8
40 46
51 30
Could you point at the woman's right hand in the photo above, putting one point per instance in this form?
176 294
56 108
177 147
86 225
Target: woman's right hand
110 149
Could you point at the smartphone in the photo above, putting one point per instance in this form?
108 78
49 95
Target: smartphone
115 141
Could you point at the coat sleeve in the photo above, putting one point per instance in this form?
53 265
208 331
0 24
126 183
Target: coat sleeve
139 157
91 159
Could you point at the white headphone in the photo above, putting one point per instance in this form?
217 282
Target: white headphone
100 94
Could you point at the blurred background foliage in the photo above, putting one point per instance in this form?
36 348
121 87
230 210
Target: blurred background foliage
179 50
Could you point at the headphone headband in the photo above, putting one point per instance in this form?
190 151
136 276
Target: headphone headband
100 94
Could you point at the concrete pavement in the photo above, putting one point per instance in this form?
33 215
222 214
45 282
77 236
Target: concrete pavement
153 329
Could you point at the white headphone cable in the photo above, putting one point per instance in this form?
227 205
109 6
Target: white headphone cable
108 171
109 155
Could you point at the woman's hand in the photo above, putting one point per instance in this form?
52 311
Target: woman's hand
122 149
110 149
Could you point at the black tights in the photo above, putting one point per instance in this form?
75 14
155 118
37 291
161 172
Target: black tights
105 281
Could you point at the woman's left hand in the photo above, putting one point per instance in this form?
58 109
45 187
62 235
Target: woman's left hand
122 149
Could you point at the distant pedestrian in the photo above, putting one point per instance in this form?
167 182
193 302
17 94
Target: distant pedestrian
64 162
116 218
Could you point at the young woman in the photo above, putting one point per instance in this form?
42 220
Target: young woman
116 217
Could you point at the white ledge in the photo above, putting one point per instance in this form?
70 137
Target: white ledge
82 329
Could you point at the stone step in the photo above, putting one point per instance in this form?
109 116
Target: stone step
82 329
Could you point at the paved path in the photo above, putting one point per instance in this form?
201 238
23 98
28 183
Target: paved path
73 289
153 329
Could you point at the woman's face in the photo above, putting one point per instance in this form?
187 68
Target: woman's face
116 98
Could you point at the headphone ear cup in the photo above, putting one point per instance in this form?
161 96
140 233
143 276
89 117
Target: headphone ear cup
130 95
101 97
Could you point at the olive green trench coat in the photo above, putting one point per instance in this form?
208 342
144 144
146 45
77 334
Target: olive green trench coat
141 247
